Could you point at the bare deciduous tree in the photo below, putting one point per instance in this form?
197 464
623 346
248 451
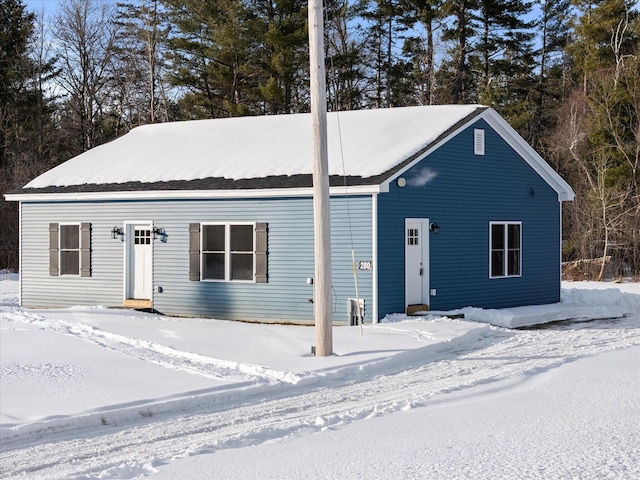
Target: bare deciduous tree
84 34
139 87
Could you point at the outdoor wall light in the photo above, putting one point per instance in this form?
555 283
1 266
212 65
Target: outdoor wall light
402 182
435 228
117 232
159 232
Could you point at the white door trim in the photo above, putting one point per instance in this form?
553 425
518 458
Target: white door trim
129 267
410 274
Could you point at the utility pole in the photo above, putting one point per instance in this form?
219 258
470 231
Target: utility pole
321 214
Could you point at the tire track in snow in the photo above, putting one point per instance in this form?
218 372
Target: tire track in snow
133 450
153 352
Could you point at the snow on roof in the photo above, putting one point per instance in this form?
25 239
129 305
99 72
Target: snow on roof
370 141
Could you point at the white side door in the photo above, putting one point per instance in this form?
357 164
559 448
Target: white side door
139 262
416 268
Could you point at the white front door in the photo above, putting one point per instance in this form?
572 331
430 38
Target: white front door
416 268
139 262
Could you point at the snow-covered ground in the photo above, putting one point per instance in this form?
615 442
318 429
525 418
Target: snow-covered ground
88 393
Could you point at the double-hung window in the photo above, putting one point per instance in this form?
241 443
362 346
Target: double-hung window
70 249
505 256
228 252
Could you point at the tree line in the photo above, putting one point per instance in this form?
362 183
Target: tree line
564 73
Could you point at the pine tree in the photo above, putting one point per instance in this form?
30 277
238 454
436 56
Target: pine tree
553 84
554 36
595 30
345 56
283 54
503 45
460 31
211 55
384 24
28 135
15 29
420 50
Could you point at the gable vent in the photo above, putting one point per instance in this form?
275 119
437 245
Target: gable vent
478 142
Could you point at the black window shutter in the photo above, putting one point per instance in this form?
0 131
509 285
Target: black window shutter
53 249
261 252
194 252
85 249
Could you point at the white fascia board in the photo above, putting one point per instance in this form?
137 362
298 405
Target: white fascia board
535 161
187 194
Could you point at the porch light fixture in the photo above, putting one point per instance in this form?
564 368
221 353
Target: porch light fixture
435 228
157 231
117 232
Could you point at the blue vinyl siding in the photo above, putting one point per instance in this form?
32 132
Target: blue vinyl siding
290 261
39 289
467 192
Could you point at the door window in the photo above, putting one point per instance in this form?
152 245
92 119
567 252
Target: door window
413 236
142 237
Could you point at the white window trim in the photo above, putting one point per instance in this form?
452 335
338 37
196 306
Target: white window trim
227 252
79 249
505 260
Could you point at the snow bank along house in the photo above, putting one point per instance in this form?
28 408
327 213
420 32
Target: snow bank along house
444 207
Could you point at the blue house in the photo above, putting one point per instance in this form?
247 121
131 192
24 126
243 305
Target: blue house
441 207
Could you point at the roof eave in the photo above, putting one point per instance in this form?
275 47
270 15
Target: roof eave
34 196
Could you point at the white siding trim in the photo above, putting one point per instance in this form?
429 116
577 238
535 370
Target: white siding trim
125 259
20 254
374 249
561 246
